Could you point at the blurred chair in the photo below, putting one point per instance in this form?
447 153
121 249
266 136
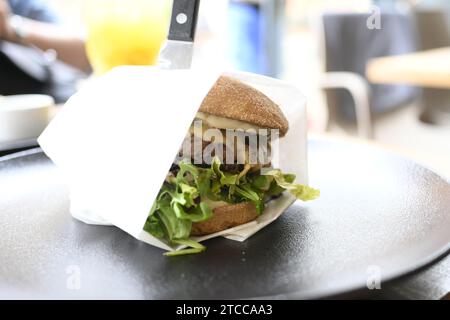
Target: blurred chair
347 45
434 33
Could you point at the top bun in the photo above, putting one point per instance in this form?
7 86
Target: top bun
230 98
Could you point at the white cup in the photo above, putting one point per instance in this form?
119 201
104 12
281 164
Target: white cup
24 116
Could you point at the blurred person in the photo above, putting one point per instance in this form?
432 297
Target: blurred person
32 46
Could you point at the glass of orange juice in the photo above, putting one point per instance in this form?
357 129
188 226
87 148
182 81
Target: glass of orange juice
125 32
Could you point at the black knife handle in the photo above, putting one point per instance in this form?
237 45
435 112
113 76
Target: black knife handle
184 20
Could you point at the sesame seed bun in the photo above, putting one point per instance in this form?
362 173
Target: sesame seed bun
226 217
230 98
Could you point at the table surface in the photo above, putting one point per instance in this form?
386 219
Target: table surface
431 282
429 68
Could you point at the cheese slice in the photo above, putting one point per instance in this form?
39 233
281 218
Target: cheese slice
225 123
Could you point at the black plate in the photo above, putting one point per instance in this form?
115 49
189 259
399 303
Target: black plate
379 215
16 146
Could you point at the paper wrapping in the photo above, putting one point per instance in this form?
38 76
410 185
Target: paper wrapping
115 140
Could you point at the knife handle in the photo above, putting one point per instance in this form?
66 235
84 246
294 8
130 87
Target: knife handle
184 20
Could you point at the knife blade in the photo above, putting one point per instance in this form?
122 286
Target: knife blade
178 50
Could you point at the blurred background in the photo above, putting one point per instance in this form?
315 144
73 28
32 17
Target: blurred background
329 49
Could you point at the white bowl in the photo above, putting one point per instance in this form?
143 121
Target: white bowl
24 116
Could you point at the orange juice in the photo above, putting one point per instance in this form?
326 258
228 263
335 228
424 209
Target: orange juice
125 32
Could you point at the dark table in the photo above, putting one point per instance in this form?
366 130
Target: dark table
7 148
429 282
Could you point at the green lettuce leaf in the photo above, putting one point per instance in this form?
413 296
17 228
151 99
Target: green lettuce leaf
194 247
285 181
262 182
224 178
248 193
199 213
154 227
174 228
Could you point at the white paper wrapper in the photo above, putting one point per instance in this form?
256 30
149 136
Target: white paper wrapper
115 140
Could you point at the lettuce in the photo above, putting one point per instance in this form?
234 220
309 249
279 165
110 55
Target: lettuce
285 182
154 227
195 247
180 201
224 178
173 227
248 193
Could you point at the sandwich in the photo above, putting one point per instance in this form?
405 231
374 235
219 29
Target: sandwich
222 176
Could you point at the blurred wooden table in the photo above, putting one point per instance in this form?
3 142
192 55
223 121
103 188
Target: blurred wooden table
426 69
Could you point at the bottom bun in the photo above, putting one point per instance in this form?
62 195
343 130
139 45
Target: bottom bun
226 217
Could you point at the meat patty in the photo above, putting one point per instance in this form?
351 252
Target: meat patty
240 156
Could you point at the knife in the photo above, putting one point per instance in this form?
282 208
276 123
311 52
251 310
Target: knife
177 52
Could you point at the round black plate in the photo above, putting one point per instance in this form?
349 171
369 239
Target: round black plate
379 216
